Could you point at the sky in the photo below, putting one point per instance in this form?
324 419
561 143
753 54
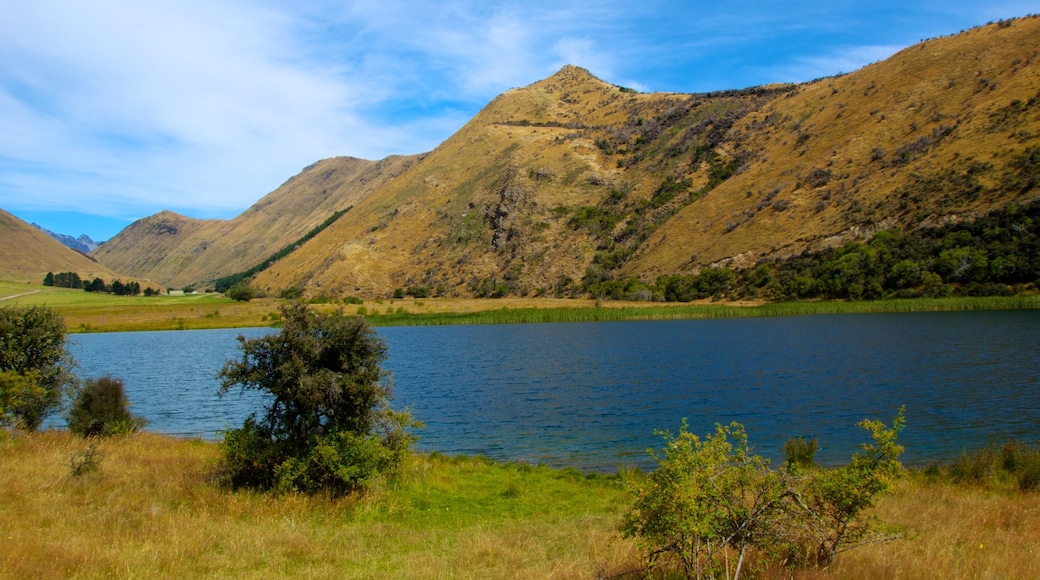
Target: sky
114 110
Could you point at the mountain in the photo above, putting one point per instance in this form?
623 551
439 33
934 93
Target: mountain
181 251
82 244
27 254
572 179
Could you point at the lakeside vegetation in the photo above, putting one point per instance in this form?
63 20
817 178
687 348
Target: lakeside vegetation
89 312
150 509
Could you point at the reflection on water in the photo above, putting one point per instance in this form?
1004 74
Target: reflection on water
591 394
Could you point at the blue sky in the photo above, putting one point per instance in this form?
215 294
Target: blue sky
113 110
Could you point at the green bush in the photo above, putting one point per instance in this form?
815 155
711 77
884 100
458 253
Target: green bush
328 425
34 365
241 292
710 502
100 408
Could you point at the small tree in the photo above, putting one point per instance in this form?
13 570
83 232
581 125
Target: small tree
328 425
35 365
100 407
241 292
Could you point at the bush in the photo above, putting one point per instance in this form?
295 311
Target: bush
241 292
34 365
710 499
100 408
328 425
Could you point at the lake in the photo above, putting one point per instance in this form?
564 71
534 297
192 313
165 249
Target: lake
590 395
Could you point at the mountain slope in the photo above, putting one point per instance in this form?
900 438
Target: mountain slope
181 251
27 254
573 179
572 182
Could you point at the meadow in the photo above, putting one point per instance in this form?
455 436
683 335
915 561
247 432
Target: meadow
146 506
89 312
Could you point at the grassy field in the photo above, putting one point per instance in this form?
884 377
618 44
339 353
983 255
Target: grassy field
150 510
87 312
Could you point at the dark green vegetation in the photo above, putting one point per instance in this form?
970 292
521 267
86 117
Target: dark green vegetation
100 408
1013 465
117 287
994 255
710 500
328 426
227 282
35 369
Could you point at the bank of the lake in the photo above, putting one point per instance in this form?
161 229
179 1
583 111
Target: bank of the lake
151 510
86 312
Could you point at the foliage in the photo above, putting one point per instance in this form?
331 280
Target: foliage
327 425
994 255
35 365
800 452
100 408
710 499
706 497
241 292
1014 464
63 280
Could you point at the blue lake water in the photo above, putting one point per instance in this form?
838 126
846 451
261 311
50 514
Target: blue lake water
591 395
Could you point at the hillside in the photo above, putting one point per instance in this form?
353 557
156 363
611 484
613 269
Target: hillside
181 251
572 180
27 254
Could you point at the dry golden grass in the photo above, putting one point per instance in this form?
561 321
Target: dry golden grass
150 511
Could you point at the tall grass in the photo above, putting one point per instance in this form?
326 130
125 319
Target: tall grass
148 509
701 311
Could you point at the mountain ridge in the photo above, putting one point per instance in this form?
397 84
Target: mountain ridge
572 180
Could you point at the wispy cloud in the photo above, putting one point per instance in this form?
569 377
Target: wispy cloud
123 108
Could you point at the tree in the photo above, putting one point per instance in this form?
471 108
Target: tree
241 292
35 365
327 425
100 407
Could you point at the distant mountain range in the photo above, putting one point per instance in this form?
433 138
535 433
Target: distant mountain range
573 179
82 244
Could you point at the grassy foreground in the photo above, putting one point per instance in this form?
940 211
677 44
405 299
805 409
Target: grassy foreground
150 510
88 312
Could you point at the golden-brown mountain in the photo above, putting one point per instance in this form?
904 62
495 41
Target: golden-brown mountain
27 254
571 178
181 251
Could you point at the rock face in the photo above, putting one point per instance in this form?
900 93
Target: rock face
82 244
572 178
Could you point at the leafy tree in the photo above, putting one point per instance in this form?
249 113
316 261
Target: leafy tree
34 363
327 424
48 280
100 407
241 292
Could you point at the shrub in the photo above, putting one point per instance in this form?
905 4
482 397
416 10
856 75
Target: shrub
241 292
328 425
800 452
710 499
34 364
100 408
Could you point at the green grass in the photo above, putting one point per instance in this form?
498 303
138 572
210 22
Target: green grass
89 312
695 311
